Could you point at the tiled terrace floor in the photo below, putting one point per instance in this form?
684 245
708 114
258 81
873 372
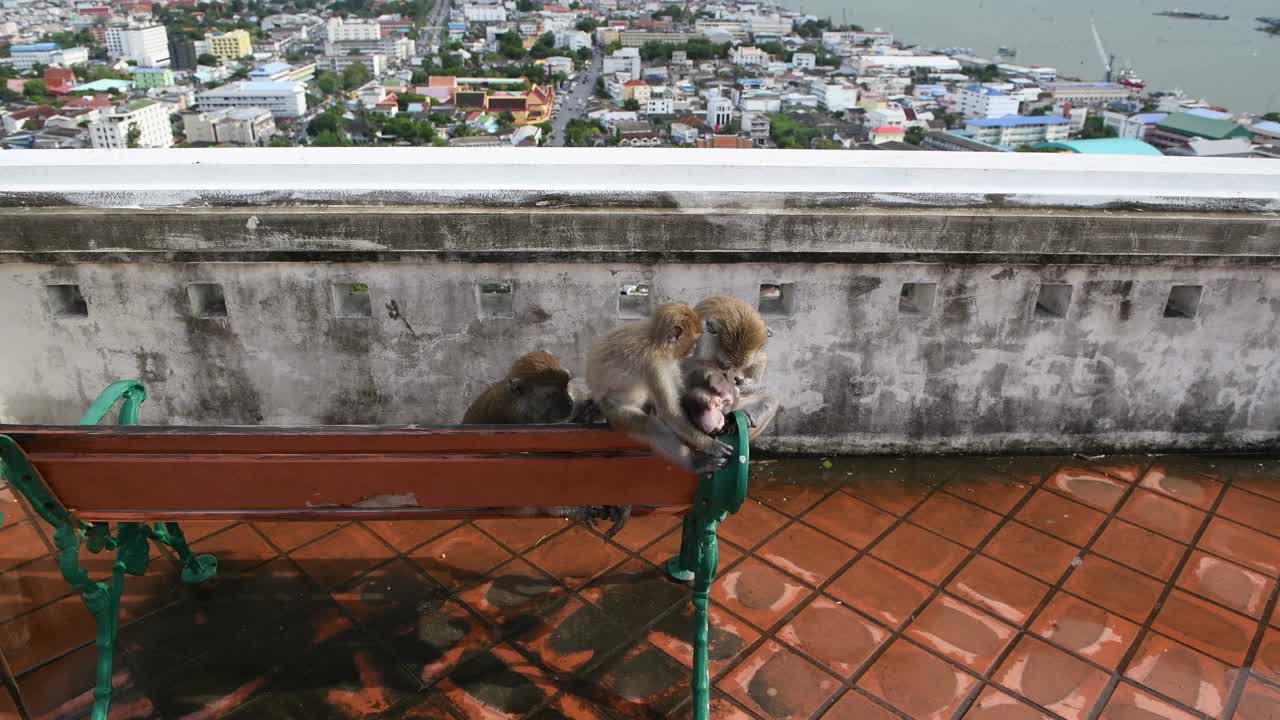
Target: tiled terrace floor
1010 588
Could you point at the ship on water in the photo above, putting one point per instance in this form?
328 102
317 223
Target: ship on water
1184 15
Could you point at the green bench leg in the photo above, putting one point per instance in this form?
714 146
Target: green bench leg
195 568
708 561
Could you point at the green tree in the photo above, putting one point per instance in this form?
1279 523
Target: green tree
915 135
1272 116
327 82
506 121
675 12
36 90
133 136
329 138
207 59
584 55
787 133
1094 129
280 141
773 48
510 45
324 122
527 5
601 90
588 25
354 76
582 133
631 104
989 73
813 28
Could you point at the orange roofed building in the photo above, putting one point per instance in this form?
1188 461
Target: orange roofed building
528 107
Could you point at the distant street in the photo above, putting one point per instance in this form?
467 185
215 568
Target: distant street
572 103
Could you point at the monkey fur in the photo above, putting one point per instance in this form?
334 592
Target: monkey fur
708 398
734 341
636 380
535 390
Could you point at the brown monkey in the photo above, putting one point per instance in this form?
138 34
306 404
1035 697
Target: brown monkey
636 380
708 398
734 342
535 390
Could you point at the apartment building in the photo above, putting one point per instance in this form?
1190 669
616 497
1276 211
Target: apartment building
230 45
148 46
1018 130
148 117
282 99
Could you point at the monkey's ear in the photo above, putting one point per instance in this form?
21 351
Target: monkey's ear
515 385
712 326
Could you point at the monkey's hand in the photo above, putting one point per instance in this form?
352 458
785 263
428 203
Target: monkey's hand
617 514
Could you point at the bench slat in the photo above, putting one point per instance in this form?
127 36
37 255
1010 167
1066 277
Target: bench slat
100 486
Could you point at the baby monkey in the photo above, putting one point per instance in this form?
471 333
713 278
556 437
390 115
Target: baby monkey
709 397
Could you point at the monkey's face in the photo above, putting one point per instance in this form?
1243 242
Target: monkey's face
545 402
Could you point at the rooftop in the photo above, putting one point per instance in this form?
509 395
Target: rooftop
1197 125
1104 146
35 47
1018 121
984 90
1124 587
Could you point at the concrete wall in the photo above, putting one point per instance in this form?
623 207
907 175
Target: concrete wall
980 368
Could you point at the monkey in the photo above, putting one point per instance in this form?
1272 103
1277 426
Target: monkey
636 380
733 341
535 390
708 398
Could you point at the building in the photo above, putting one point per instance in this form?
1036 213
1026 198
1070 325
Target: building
719 112
283 72
748 56
636 133
248 126
1133 127
230 45
682 134
484 13
1179 129
59 80
182 54
1266 131
25 57
980 101
282 99
574 40
954 141
148 46
1102 146
638 38
147 120
1088 93
1037 73
339 30
558 65
1018 130
624 60
804 61
375 63
873 38
145 78
835 96
902 63
889 116
637 90
886 134
757 127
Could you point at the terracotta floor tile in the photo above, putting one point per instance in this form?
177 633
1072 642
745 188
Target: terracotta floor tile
1263 478
495 683
1121 467
752 524
849 519
1092 488
993 704
1267 661
20 543
1139 549
1225 582
879 590
1255 511
1130 703
643 682
994 493
1167 517
64 688
1060 517
1206 627
1258 702
642 530
787 496
806 553
917 683
1031 551
289 535
999 589
961 633
1242 545
777 683
460 558
856 706
238 549
666 548
574 636
336 558
1191 488
1085 629
727 638
636 593
834 635
440 635
920 552
512 595
1115 587
404 535
195 530
431 705
891 493
27 588
1052 678
520 534
758 592
1182 674
955 519
575 556
46 633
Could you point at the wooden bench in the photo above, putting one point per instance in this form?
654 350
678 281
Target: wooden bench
121 487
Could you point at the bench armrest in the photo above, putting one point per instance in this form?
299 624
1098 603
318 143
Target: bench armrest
133 392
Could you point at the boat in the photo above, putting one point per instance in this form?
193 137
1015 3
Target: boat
1008 52
1129 78
1184 15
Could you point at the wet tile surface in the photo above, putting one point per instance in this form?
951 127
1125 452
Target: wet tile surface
938 589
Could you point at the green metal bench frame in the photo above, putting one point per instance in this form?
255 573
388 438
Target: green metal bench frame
718 495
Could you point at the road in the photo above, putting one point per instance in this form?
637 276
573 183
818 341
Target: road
572 103
432 32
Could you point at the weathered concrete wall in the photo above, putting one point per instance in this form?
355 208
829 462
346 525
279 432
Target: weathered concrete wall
981 368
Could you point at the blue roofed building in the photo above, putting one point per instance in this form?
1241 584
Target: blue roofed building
25 57
282 72
1018 130
982 101
1266 131
1134 127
